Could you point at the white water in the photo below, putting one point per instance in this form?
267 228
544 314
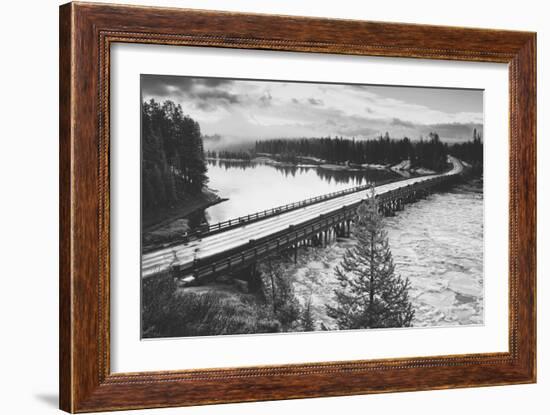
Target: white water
437 243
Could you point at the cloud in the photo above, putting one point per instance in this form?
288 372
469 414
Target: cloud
169 86
215 82
164 86
205 106
266 99
314 101
357 131
217 95
401 123
262 109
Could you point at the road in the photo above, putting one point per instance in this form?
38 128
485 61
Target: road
161 260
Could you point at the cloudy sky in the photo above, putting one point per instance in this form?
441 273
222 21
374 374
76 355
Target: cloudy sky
267 109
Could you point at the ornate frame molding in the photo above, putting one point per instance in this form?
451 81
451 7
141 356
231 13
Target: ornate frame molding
86 34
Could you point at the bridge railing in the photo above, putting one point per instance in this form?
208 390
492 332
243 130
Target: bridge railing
428 182
204 230
255 249
258 248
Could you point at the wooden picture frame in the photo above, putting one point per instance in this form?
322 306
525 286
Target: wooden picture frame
86 33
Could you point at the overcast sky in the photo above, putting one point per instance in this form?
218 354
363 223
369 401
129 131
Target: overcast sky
267 109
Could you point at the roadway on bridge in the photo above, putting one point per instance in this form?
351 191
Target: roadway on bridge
161 260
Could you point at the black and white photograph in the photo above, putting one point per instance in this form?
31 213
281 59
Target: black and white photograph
277 206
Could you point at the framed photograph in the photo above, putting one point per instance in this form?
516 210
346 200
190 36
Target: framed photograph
258 207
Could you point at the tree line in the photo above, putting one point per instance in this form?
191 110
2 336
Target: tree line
228 155
429 153
470 151
173 164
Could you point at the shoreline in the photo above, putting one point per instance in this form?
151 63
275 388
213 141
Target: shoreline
182 209
402 169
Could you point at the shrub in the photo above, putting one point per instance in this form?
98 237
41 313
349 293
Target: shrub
166 313
279 294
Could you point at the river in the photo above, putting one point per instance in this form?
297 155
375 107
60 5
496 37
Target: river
252 187
437 242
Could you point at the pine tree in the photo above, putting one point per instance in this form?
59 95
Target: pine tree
370 295
279 293
308 322
173 163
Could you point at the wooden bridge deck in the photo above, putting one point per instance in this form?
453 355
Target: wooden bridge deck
243 244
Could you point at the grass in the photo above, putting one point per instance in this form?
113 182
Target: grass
167 314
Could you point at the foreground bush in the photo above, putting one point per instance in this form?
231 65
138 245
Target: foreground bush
279 295
166 313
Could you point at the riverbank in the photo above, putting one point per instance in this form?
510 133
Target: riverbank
171 223
403 169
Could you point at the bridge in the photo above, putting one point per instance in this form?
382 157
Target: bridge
241 242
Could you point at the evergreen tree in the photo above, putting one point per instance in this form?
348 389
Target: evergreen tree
308 323
430 153
370 295
470 152
173 163
279 293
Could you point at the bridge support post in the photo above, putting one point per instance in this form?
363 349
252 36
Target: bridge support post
317 240
253 278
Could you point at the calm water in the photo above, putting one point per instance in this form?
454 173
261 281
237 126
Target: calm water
253 187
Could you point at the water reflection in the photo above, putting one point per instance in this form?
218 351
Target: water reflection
252 186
